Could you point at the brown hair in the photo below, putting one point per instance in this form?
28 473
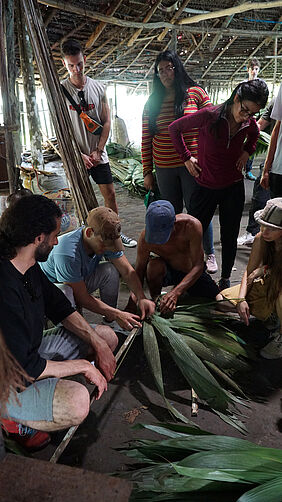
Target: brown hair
12 376
273 259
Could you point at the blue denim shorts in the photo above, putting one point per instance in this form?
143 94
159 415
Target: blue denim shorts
36 401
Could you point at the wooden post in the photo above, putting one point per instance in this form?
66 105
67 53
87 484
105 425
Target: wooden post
10 152
27 70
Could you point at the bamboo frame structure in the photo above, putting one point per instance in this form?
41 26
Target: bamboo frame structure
81 188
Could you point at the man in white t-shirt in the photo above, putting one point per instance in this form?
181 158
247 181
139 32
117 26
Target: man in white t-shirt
272 172
91 97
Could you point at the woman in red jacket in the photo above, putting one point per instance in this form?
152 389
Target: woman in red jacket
227 137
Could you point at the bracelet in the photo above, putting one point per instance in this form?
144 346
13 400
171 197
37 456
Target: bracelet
240 300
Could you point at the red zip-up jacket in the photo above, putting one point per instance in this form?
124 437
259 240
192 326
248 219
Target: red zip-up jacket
217 155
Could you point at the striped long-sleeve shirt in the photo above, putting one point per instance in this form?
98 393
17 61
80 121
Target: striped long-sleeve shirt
159 148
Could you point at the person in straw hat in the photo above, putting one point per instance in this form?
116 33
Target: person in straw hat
260 291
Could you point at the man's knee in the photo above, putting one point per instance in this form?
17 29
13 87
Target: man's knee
108 335
71 402
156 268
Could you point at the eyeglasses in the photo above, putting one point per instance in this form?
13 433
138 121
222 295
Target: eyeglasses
163 71
82 99
246 111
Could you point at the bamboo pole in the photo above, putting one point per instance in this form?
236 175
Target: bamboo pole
12 76
114 48
81 187
135 59
81 11
146 18
219 56
233 10
27 69
101 26
10 152
173 19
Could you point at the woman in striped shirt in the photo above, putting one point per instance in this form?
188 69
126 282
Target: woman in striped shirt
174 94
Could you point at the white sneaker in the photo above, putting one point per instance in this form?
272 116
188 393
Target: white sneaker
273 349
246 239
212 267
127 241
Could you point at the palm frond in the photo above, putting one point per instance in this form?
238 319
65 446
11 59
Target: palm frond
209 467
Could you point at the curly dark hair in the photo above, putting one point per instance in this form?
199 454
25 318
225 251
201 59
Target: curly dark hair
252 90
71 47
182 82
24 220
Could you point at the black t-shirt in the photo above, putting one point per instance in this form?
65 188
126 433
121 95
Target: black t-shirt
25 300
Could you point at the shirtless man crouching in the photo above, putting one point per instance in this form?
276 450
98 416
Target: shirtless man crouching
170 252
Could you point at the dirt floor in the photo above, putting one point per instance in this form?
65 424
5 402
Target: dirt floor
132 397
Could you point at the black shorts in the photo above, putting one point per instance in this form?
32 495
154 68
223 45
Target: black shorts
204 287
101 174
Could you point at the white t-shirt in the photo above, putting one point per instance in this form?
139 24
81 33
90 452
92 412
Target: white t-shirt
277 115
93 94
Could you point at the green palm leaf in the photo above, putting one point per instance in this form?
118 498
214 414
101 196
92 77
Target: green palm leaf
153 357
268 492
197 375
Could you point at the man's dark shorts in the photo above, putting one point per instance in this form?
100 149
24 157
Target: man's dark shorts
101 174
204 287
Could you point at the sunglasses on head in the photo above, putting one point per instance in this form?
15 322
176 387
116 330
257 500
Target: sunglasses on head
82 98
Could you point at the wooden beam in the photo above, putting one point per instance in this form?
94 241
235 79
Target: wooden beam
270 62
81 11
199 44
146 18
70 34
264 42
173 19
112 63
49 16
225 24
219 55
101 26
231 11
114 48
246 60
135 59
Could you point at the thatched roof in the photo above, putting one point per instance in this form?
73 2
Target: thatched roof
215 46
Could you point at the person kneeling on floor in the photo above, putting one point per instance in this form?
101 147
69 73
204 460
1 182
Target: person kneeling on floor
170 252
260 292
75 264
28 231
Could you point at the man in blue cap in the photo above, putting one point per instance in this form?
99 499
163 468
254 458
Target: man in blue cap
170 252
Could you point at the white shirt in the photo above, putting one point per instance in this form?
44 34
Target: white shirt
277 115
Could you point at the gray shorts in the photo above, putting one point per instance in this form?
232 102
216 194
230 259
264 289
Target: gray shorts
36 402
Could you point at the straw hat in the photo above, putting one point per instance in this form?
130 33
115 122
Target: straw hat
271 215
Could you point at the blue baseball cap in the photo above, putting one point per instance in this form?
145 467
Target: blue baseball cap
160 218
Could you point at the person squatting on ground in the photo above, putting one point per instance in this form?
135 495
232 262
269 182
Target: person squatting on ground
75 263
253 68
260 195
227 137
170 252
272 171
91 97
28 231
260 292
174 94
